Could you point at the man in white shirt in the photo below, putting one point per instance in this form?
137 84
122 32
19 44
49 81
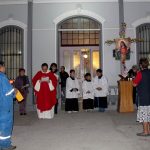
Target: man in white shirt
100 91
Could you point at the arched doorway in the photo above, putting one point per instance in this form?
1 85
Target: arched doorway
80 44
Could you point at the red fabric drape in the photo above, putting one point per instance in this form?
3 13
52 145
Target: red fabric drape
45 99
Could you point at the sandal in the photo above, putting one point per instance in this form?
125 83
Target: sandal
142 134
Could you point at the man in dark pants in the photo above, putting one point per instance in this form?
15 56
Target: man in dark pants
63 76
6 110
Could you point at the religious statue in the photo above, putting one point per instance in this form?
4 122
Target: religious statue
122 49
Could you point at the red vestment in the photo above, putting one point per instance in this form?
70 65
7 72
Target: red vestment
45 99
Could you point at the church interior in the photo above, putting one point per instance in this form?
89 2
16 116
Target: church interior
82 35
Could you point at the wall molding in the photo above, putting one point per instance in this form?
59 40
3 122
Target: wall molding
79 12
84 1
141 21
52 29
11 21
8 2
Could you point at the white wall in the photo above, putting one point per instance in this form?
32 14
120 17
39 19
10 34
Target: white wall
44 48
17 12
44 29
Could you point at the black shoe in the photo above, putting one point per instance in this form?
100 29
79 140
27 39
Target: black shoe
9 148
142 134
21 114
24 113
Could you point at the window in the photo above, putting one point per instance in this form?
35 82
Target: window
80 31
11 49
95 61
143 48
76 62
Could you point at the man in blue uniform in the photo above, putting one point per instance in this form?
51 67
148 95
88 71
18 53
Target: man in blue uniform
6 110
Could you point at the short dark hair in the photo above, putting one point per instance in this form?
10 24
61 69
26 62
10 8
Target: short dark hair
99 70
87 74
21 69
72 70
144 63
2 63
63 67
44 65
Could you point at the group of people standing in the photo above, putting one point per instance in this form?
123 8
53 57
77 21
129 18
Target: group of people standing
50 85
95 91
52 88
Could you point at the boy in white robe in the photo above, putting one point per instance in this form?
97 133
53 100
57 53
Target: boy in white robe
72 93
100 91
88 93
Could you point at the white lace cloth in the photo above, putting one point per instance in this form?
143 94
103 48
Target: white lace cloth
49 114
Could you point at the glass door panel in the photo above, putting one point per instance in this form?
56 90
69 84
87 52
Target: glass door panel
86 61
83 61
67 60
95 61
77 63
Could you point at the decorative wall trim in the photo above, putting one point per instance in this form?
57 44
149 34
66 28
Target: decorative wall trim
141 21
84 1
11 21
52 29
8 2
79 12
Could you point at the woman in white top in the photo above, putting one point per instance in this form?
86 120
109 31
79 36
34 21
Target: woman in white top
72 93
100 91
88 93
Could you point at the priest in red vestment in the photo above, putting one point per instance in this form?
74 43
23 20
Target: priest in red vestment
45 84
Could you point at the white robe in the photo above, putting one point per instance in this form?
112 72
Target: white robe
88 86
70 84
102 83
49 114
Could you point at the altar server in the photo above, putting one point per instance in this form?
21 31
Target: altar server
72 93
100 91
88 93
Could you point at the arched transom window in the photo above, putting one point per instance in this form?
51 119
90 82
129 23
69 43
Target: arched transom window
79 31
